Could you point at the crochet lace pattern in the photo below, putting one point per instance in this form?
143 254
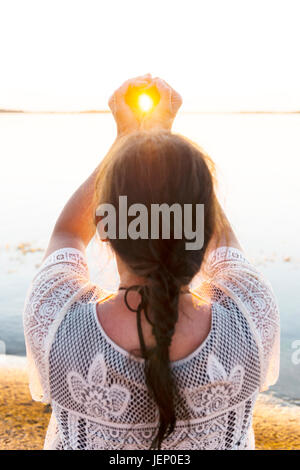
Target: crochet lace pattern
97 389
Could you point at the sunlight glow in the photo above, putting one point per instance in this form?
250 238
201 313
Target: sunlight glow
145 102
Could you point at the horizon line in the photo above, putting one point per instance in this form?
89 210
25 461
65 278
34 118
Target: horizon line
106 111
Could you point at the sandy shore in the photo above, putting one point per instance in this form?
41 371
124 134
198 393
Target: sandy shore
23 422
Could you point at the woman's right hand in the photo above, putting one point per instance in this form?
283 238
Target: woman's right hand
162 115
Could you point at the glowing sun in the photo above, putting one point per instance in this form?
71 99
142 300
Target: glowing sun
145 102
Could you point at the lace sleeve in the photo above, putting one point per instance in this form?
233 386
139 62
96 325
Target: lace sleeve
62 279
229 270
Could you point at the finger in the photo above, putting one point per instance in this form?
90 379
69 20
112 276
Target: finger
112 103
165 93
147 76
140 79
131 82
174 92
176 99
115 100
164 81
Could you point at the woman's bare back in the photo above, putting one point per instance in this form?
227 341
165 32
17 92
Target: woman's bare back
191 330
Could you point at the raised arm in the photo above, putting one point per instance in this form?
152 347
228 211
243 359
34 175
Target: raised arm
75 226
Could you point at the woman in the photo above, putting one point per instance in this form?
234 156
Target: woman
158 364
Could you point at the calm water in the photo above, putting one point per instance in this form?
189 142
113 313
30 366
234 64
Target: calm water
44 158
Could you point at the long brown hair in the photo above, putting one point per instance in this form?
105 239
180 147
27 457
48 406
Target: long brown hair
156 167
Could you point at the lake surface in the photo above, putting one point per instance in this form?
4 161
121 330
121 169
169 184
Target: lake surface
45 157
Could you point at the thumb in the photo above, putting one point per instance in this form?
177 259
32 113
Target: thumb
171 99
112 103
176 101
165 93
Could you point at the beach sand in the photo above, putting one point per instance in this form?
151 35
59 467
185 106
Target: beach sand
23 422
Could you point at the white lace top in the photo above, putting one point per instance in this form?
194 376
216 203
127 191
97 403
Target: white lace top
97 389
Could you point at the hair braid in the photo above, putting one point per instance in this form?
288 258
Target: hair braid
162 300
155 168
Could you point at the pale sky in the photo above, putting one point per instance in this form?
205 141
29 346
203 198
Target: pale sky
220 55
